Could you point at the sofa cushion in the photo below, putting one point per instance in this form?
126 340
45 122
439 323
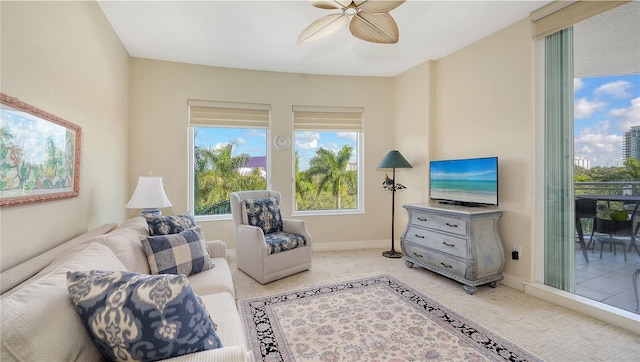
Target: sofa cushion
133 316
263 213
38 321
215 280
164 225
125 243
184 253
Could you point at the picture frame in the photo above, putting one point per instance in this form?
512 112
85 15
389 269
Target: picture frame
39 154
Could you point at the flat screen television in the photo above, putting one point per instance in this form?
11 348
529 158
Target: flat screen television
468 182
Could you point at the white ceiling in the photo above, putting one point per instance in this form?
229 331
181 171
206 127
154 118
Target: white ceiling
262 35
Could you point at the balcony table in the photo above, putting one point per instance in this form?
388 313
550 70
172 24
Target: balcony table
626 199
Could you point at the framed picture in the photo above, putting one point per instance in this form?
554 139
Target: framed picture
39 154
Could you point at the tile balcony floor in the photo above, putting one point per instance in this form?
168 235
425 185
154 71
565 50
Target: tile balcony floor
607 279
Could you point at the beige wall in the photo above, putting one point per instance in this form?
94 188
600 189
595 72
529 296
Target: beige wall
64 58
413 96
484 107
159 94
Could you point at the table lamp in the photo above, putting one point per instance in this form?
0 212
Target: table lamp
393 160
149 195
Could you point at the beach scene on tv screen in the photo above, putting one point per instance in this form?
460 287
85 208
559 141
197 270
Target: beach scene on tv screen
471 180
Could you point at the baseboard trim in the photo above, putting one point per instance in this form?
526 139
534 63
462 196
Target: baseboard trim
513 282
341 245
618 317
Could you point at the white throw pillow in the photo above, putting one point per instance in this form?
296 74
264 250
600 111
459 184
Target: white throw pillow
39 321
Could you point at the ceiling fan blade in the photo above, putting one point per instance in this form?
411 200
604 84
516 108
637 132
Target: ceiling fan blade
324 26
375 7
331 4
376 28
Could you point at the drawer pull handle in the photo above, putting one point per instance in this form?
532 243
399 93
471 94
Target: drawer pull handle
422 219
419 236
449 245
446 265
452 225
418 255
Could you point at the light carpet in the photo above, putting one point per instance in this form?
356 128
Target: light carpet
376 318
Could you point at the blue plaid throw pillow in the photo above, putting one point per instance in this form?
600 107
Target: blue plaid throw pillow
141 317
183 253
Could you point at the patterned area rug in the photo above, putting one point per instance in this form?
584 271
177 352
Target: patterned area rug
372 319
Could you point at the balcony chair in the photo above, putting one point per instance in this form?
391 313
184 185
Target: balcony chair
268 247
585 209
619 231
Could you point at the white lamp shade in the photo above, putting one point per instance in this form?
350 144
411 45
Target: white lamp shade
149 194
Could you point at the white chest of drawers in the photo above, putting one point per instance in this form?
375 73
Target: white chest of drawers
461 243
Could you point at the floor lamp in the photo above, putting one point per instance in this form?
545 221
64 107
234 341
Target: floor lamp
393 160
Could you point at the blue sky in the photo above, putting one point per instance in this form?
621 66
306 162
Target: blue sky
253 142
604 109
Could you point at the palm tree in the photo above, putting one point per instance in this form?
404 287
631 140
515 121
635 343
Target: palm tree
217 175
303 185
331 170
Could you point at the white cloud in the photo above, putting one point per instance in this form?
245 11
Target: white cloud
627 117
582 108
307 140
617 89
577 84
348 135
600 144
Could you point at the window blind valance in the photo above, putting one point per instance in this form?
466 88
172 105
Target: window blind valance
560 15
327 118
228 114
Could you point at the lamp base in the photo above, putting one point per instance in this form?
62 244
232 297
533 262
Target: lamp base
155 212
392 254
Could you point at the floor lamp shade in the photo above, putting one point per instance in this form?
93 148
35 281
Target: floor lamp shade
149 195
393 160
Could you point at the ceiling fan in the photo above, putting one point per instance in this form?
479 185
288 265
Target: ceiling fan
367 19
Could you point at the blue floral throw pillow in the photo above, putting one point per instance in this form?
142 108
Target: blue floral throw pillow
264 213
164 225
141 317
184 253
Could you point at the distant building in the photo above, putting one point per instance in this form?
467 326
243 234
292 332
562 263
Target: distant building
256 162
631 143
583 162
352 166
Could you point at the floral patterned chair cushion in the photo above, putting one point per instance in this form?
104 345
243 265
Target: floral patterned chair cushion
164 225
263 213
281 241
184 253
133 316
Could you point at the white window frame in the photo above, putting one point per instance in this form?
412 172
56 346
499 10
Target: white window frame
346 124
221 122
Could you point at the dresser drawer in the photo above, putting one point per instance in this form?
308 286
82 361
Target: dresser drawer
438 222
446 243
449 264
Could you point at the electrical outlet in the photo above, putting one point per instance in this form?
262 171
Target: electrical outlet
515 254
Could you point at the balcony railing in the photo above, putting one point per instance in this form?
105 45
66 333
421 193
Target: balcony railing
608 188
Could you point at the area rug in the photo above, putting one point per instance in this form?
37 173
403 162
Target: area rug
372 319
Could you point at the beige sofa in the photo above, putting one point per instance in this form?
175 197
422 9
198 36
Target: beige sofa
39 321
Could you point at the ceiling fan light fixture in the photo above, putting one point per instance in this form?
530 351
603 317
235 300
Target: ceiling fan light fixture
367 20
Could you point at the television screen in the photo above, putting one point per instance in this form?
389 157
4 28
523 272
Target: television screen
471 181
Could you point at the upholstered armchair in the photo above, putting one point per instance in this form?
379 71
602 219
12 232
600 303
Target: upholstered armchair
268 247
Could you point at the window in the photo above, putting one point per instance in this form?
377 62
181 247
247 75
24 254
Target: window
589 121
328 159
227 153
